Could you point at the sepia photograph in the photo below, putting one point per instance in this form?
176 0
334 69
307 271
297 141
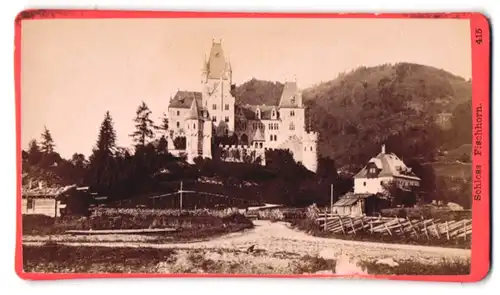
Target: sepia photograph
247 146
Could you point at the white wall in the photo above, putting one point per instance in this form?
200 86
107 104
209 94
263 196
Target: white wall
41 206
370 185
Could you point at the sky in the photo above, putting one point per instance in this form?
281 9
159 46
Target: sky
73 71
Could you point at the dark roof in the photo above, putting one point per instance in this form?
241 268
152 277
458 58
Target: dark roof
350 199
290 97
250 111
389 165
184 99
46 192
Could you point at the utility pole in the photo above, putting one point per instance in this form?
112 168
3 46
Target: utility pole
180 201
331 198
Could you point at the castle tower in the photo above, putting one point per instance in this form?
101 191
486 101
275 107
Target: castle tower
216 90
310 151
194 133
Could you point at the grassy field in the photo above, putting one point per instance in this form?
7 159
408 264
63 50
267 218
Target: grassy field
190 225
55 258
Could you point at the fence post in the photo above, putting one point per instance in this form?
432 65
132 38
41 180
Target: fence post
326 220
180 199
342 225
465 230
352 225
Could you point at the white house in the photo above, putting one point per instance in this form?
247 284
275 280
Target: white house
384 168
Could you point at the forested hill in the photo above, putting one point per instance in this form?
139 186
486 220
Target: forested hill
258 92
393 104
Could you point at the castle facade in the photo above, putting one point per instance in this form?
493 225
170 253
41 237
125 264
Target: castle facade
213 112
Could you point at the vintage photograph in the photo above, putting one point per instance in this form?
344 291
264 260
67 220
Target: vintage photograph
251 146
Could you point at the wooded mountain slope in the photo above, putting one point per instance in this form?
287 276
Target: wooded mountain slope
395 104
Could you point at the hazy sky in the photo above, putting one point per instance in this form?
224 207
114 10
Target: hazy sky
75 70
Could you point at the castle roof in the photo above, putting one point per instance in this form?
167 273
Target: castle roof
194 112
290 97
184 99
217 65
389 165
250 111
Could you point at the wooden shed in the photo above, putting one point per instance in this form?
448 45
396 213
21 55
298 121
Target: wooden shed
44 200
352 204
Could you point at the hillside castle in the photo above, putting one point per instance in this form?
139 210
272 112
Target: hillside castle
198 118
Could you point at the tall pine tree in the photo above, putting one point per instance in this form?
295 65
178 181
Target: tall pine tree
106 140
102 174
47 142
144 126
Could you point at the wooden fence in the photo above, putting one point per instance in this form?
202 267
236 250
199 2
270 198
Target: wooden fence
420 228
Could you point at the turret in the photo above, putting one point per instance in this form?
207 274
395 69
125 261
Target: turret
310 152
193 132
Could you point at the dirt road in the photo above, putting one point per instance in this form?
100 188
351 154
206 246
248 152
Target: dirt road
275 238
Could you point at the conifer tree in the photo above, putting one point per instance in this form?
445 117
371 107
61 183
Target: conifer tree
144 126
47 142
106 141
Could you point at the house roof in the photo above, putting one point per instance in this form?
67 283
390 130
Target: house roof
290 97
217 66
46 192
184 99
389 165
350 199
194 112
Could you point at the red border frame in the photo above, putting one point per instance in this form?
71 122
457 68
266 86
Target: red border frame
480 257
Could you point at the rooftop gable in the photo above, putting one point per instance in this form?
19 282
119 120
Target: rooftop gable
184 99
389 165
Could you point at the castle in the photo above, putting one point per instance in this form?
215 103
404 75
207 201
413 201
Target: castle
214 112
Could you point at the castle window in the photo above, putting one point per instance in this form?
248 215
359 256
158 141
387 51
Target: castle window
275 137
271 137
270 126
226 107
178 124
226 119
194 126
260 144
214 119
311 149
258 114
178 113
214 106
274 114
292 126
292 113
364 183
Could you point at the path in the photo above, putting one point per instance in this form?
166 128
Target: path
279 237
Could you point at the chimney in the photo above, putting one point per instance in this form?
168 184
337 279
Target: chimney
383 149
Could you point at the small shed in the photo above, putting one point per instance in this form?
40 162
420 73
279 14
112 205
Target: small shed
45 200
352 204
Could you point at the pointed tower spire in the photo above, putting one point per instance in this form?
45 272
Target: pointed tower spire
194 113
